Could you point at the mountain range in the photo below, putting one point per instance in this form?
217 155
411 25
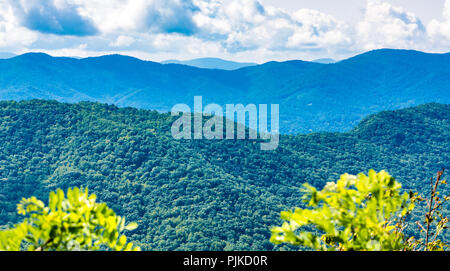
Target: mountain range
312 96
221 64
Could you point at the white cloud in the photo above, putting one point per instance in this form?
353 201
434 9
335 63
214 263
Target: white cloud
319 28
439 31
387 26
212 18
116 15
13 36
248 25
157 16
239 26
123 41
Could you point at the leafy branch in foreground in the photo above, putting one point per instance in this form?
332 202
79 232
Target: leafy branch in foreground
356 213
77 222
435 221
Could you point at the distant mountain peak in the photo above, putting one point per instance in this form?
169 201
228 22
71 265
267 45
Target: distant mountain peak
115 56
115 59
211 63
386 52
324 61
34 54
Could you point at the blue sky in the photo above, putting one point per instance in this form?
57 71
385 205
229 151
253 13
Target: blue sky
240 30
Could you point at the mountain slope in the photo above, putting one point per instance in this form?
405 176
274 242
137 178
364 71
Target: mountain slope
312 96
200 194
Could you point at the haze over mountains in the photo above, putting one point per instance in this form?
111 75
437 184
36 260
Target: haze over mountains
325 61
211 63
6 55
221 64
312 96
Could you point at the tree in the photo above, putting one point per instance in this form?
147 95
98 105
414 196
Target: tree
357 213
77 222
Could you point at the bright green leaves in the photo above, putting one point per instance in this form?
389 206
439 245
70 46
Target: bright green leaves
355 213
11 239
30 205
75 222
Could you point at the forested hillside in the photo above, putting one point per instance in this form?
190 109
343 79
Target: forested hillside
200 194
312 96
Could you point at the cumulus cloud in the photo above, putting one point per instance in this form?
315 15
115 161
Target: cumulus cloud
173 16
60 17
385 25
156 16
439 31
320 29
12 35
248 25
238 26
123 41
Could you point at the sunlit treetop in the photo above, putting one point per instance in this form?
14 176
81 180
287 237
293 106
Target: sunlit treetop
75 222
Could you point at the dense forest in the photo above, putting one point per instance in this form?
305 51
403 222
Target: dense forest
201 194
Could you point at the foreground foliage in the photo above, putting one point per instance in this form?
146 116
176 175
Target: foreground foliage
77 222
363 212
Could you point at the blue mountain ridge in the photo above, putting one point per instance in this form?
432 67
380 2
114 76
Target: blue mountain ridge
312 96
